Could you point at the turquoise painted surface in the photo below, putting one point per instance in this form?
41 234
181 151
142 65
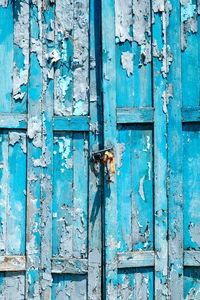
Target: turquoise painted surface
78 77
191 173
136 283
135 188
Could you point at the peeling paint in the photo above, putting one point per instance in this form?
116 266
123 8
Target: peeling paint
141 188
137 235
4 3
120 149
167 94
34 131
15 137
127 62
195 233
141 290
189 21
65 151
21 39
123 20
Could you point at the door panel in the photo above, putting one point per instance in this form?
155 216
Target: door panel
51 212
154 135
78 77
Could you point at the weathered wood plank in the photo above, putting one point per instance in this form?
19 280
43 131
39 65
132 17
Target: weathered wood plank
71 123
12 121
81 57
190 36
191 177
12 285
69 286
63 195
142 236
12 263
175 158
47 153
136 283
124 188
109 108
6 54
124 73
160 164
191 114
63 57
142 59
21 56
191 283
135 115
95 243
4 191
69 266
80 195
34 154
136 259
192 258
16 218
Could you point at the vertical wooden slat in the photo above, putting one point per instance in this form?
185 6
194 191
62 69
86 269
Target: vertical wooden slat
62 190
4 179
34 148
21 56
80 57
95 143
142 59
124 189
175 188
160 167
110 185
63 81
16 223
47 153
6 54
80 194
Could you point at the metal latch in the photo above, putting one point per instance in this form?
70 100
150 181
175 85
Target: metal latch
106 155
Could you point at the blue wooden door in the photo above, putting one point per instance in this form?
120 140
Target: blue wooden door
151 119
50 212
78 77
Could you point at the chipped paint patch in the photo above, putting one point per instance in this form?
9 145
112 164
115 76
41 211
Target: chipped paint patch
141 188
120 149
188 11
167 94
16 137
34 131
148 144
141 290
195 233
63 83
64 144
79 108
123 20
127 62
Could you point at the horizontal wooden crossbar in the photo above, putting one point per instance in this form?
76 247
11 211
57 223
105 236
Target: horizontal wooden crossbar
78 266
13 121
19 121
192 258
136 259
73 123
146 115
191 114
69 266
12 263
135 115
131 115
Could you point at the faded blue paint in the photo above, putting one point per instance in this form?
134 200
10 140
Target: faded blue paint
78 77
